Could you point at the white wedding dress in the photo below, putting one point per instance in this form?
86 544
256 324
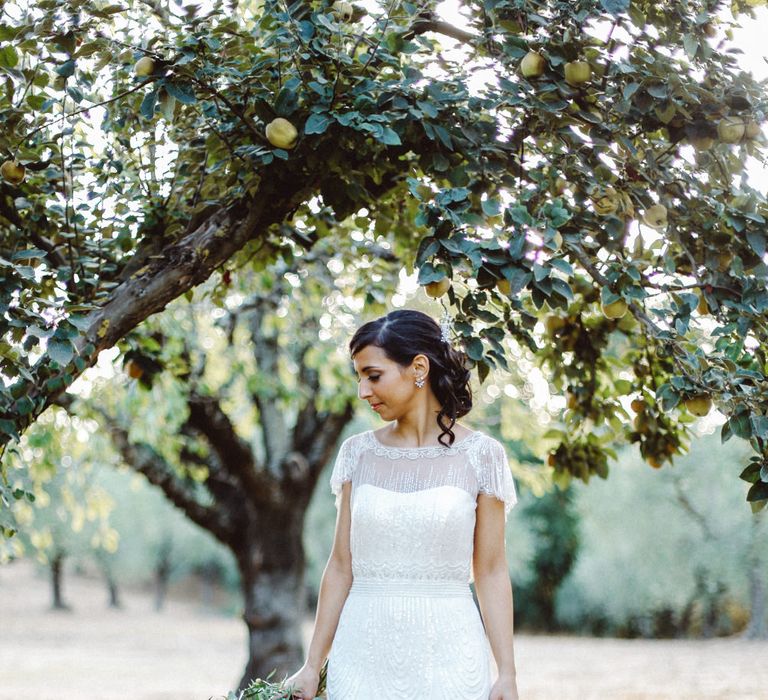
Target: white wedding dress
410 629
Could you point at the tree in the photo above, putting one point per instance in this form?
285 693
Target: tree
599 186
67 515
190 432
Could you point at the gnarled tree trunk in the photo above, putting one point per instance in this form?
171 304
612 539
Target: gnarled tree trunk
272 572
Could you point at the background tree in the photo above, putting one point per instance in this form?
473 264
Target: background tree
67 516
190 432
579 164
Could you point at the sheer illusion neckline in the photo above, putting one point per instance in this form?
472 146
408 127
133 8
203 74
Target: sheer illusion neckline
423 450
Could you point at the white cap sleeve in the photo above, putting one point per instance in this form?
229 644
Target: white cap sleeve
493 474
343 468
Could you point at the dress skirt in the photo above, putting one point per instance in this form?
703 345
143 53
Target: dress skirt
409 640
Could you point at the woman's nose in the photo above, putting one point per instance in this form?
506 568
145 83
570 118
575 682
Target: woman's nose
363 390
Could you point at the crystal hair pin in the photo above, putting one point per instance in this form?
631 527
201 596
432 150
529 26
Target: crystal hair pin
446 326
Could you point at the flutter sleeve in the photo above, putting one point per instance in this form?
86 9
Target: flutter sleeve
493 474
343 468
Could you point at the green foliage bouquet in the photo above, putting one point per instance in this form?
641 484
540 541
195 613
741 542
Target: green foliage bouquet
260 689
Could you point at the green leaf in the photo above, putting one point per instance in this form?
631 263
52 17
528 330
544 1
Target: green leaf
317 123
630 90
760 426
286 103
615 7
491 207
758 492
691 45
66 69
24 406
183 93
428 273
60 352
751 473
147 108
562 288
474 348
562 265
757 242
8 57
389 137
741 426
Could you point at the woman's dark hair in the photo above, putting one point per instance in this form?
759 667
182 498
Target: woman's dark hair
405 333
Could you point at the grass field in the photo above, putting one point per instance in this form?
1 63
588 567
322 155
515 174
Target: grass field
186 653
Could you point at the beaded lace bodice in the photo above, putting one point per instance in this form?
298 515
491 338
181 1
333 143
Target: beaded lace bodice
413 509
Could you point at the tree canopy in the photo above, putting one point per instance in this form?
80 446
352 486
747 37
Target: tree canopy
578 171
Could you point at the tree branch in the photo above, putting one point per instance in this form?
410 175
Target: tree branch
207 417
429 22
266 351
142 458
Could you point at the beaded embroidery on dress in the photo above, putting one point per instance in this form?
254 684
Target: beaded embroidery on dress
409 628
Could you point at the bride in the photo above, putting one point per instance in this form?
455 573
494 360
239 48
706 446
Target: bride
421 507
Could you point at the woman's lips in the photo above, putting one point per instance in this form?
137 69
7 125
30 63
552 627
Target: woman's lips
375 406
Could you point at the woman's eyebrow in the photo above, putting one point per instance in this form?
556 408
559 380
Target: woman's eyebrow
368 367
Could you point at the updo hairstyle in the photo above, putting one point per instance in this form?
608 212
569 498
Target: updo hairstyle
404 333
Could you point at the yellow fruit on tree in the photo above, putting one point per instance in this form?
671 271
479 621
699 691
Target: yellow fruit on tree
702 143
752 130
699 405
653 461
638 405
504 286
343 10
554 323
656 217
731 129
577 73
533 65
144 66
724 260
437 289
134 369
13 172
281 133
607 203
616 309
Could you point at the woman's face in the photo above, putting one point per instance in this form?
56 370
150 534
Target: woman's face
387 386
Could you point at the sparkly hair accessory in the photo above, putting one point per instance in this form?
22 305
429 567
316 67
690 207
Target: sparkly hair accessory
446 326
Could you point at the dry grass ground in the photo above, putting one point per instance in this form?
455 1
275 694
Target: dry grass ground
185 653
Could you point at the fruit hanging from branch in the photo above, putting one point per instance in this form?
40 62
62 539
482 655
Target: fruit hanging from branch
577 73
533 65
13 172
699 405
731 129
438 288
343 10
616 309
656 217
144 66
281 133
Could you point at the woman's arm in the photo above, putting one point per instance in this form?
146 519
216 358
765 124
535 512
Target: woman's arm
334 586
494 592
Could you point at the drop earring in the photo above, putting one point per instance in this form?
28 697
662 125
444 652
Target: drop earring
419 382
